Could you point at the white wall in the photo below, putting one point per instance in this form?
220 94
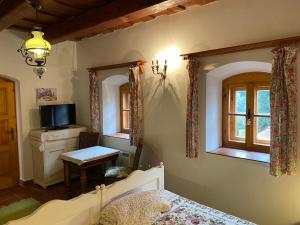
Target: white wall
213 113
59 75
240 187
111 108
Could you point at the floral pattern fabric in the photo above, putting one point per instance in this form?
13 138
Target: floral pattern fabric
136 106
187 212
94 102
283 101
192 120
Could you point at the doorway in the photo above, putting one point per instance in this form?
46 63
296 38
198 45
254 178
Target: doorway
9 162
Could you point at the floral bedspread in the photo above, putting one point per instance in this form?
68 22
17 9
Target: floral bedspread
187 212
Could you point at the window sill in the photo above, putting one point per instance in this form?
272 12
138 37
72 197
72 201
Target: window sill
242 154
118 135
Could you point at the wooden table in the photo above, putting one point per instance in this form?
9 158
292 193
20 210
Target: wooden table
85 158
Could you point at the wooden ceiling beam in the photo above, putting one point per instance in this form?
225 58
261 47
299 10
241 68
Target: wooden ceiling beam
14 12
54 16
85 4
19 28
198 2
177 9
108 16
67 4
35 22
11 12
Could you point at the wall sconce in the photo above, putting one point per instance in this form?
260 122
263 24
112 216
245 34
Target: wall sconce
156 70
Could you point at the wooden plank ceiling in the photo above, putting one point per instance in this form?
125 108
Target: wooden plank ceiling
63 20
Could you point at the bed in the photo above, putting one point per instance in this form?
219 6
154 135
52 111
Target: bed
85 209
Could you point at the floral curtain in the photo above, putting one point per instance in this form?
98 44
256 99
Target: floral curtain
94 102
136 106
192 120
283 100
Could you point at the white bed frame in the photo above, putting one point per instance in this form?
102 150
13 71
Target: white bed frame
85 209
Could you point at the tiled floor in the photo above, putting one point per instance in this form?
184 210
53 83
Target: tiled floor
29 190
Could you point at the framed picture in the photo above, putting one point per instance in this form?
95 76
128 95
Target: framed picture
46 95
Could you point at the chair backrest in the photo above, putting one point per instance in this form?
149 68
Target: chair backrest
137 156
88 139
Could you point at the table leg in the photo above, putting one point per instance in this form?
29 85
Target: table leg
67 178
114 162
83 179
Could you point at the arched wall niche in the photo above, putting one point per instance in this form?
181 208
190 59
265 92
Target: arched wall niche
230 69
213 99
111 103
109 85
19 121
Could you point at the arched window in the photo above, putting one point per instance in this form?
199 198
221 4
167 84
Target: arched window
115 106
246 112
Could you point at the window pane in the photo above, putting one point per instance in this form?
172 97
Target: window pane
126 100
240 125
237 131
262 129
263 102
240 101
126 120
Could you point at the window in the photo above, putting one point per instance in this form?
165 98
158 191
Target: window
124 108
246 112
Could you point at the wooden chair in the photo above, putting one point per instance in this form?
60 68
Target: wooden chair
88 139
116 173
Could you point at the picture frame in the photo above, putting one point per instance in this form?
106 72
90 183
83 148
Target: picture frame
46 96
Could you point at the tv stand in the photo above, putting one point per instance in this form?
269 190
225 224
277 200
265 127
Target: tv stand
47 146
57 128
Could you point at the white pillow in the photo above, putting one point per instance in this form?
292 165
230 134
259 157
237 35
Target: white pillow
140 208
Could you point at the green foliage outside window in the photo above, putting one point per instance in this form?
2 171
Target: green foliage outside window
263 108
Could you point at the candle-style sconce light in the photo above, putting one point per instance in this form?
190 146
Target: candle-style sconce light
156 69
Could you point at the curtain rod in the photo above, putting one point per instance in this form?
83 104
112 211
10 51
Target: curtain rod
245 47
115 66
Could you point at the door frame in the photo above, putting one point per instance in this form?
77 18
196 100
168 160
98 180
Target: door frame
19 123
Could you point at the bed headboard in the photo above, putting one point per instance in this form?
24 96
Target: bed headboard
138 181
84 210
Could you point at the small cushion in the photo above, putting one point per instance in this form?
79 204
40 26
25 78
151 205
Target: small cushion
141 208
117 172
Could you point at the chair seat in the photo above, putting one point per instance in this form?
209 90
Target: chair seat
117 172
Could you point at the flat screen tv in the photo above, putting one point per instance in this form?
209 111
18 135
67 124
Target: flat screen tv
57 116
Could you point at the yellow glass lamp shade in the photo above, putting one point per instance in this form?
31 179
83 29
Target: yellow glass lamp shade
37 45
